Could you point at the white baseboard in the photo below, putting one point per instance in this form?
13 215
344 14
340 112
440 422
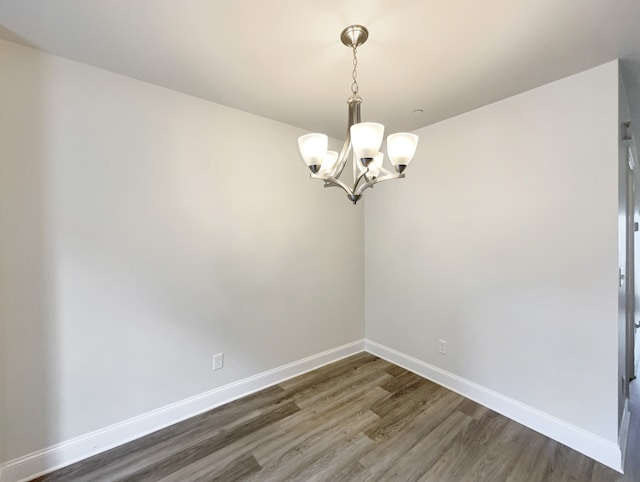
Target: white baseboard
74 450
587 443
624 430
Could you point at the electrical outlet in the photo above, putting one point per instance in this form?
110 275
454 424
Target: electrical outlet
218 361
442 346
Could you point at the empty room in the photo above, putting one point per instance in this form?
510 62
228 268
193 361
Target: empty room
205 275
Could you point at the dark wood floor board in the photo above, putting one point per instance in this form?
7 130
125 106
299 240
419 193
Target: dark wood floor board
158 445
238 469
605 474
298 436
484 430
395 370
420 391
192 453
309 395
566 468
294 461
403 382
578 469
359 419
362 395
338 455
388 450
221 460
314 396
469 447
220 465
398 413
501 453
330 373
354 472
273 443
529 466
391 404
138 459
495 453
423 393
450 465
392 419
412 465
471 408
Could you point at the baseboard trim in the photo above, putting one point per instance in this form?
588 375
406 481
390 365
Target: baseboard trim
79 448
624 430
587 443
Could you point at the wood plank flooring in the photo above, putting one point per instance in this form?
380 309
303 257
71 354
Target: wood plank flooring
359 419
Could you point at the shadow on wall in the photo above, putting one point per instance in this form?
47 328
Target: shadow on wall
10 35
29 392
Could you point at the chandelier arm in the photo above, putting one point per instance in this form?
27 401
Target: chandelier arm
342 158
319 175
369 184
359 178
386 173
333 182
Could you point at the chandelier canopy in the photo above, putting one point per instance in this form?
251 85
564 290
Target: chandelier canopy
363 141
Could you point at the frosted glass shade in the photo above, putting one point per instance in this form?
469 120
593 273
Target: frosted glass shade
366 139
329 161
313 148
401 147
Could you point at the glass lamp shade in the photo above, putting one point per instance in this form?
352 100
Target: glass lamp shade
401 147
313 148
328 162
366 139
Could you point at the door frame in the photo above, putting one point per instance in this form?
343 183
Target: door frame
630 308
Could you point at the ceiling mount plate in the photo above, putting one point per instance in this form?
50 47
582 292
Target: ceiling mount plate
354 35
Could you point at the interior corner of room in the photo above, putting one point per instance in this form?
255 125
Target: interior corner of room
146 230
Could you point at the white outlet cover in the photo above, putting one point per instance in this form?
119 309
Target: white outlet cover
442 346
218 361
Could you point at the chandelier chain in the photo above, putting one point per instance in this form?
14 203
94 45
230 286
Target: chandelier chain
354 74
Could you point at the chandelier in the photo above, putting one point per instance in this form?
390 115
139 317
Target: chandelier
363 141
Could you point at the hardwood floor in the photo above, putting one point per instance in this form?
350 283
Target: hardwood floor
359 419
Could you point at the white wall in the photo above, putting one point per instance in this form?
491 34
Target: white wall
503 241
144 230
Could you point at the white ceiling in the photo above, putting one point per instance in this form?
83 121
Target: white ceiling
282 59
